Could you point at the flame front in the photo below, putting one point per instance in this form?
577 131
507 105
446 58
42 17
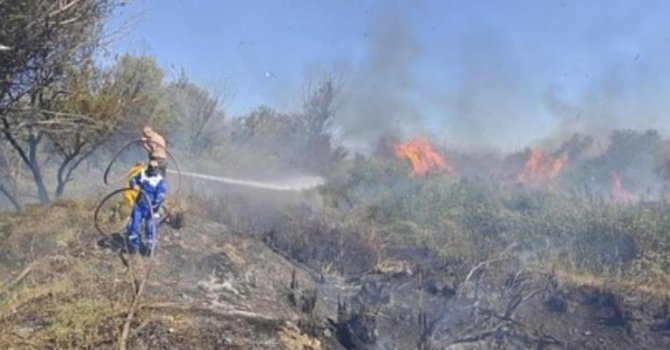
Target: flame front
422 157
619 193
541 168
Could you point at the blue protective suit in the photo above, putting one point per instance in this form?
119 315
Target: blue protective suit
152 194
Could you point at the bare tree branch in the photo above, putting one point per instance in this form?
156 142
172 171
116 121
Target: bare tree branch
49 40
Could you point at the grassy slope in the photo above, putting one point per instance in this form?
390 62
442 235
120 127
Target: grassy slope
208 288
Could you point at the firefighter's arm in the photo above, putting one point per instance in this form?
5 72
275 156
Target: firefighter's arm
135 181
146 143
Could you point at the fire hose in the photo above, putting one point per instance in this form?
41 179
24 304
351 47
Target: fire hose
138 141
138 289
96 213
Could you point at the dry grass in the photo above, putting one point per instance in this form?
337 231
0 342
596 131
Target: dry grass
64 301
65 304
624 282
291 338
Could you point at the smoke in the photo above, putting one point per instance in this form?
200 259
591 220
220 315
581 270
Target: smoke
506 102
494 103
376 98
500 92
629 92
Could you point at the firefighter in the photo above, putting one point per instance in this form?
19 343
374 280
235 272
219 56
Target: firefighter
152 190
155 145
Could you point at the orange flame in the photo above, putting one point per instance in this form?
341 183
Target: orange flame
421 156
619 193
542 168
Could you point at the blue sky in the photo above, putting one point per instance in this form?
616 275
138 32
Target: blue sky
507 71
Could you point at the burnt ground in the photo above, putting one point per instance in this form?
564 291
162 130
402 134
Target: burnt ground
211 288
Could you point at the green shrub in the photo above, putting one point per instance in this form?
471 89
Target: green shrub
479 220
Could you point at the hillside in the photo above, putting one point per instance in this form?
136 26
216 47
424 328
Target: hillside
211 288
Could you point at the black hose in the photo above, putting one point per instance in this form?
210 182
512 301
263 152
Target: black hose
96 213
118 153
138 289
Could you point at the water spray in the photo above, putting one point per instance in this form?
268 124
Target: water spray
296 184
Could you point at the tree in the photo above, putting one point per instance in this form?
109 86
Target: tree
317 118
142 79
297 140
196 114
7 174
663 169
100 100
45 38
